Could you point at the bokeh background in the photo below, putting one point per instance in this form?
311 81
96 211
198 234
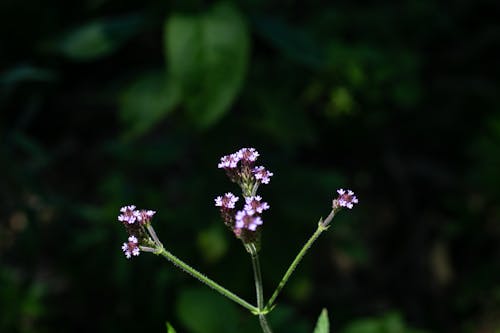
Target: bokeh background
106 103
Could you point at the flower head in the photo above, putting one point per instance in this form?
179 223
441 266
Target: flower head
131 248
248 154
345 199
128 214
261 174
226 201
240 168
246 220
254 205
229 161
145 216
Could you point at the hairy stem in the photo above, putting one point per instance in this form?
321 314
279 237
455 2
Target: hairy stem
322 226
264 324
258 286
212 284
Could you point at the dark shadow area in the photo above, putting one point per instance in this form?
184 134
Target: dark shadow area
106 103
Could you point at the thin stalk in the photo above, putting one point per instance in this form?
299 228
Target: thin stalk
322 226
263 324
153 234
258 286
209 282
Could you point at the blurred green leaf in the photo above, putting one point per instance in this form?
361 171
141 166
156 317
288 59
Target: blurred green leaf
99 38
207 56
212 242
293 42
364 326
200 312
26 73
323 324
170 329
285 319
300 288
146 101
391 322
341 101
22 302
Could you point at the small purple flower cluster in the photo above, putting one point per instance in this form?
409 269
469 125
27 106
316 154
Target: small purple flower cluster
136 222
249 218
131 248
130 215
345 199
240 169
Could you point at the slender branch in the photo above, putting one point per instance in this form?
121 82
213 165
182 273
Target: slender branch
322 226
212 284
258 286
257 275
264 324
153 234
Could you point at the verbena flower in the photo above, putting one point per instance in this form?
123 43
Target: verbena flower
227 204
248 154
145 216
128 214
229 161
262 175
240 168
226 201
254 205
137 223
131 248
246 220
345 199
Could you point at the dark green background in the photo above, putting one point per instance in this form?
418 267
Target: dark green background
106 103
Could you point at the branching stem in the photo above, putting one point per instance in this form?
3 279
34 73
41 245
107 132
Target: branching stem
209 282
322 226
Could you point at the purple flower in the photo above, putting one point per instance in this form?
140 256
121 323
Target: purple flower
128 214
226 201
346 199
227 204
229 161
254 204
262 174
131 248
245 220
145 216
248 154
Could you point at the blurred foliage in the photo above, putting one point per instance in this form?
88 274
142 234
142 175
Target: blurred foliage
106 103
323 324
170 329
389 323
207 58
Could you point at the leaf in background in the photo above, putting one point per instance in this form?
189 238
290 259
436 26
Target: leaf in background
22 73
99 38
13 77
212 242
323 324
341 102
205 311
170 329
293 42
391 322
207 56
285 319
146 101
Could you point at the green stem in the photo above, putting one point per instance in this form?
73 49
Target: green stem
212 284
322 226
263 324
258 286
